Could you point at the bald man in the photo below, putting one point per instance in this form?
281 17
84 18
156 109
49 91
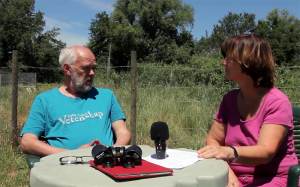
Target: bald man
75 115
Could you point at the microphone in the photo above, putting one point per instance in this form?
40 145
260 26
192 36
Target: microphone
160 133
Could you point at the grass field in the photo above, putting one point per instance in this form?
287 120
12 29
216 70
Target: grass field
188 112
178 107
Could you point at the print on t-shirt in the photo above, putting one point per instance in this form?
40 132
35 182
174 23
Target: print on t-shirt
73 118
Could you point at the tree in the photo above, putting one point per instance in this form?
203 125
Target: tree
21 28
155 28
232 24
282 30
99 36
44 52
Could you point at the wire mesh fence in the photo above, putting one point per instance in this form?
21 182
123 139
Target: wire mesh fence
170 94
24 79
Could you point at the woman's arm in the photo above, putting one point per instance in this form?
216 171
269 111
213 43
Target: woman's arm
216 134
269 140
276 124
215 141
215 144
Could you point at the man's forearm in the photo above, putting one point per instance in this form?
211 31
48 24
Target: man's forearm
123 139
39 148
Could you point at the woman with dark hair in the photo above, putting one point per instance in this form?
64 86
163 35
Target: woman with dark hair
253 127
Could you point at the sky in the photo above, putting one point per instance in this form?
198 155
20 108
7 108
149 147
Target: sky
74 17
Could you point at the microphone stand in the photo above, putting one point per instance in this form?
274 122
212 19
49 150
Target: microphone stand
160 147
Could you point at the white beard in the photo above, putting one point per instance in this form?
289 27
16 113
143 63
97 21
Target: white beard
79 83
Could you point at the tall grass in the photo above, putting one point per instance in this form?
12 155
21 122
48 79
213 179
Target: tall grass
180 99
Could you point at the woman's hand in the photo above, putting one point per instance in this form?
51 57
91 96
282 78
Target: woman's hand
233 181
220 152
216 151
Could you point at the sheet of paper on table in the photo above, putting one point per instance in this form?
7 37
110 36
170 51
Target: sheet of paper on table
176 159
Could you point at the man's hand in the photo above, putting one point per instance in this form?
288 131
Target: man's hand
96 141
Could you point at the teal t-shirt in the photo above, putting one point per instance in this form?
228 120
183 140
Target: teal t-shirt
72 122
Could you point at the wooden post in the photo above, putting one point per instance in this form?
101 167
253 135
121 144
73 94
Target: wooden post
14 99
108 62
133 97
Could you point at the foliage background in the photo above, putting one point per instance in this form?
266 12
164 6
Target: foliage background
159 30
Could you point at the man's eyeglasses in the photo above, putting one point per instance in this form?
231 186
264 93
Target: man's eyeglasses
75 160
86 68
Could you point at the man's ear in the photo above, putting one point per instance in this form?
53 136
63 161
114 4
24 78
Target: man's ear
67 69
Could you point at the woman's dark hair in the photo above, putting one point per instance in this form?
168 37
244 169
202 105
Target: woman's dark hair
254 54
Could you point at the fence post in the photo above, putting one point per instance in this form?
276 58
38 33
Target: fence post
108 62
14 99
133 97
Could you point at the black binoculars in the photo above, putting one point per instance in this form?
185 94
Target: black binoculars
117 156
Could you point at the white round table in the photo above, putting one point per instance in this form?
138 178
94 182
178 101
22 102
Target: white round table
49 173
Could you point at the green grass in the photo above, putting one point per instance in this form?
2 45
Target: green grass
188 111
187 117
13 170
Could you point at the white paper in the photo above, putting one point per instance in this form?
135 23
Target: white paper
176 159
